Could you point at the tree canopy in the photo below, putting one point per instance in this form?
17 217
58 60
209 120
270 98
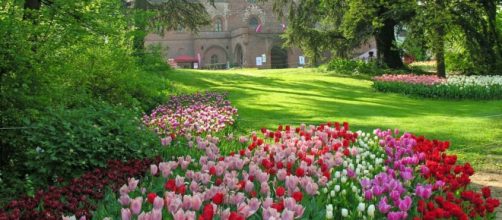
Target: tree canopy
342 25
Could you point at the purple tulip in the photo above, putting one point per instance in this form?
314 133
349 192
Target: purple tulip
397 215
383 206
405 204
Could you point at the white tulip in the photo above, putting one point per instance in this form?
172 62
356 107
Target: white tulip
329 207
333 193
337 174
329 214
361 207
371 210
345 212
337 188
344 179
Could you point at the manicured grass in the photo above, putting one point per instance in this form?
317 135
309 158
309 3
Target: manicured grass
266 98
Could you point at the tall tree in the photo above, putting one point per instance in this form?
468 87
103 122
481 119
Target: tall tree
470 24
352 22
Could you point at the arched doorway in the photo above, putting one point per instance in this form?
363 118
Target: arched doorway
215 57
278 57
239 56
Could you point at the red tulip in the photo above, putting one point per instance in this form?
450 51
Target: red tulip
300 172
235 216
151 197
280 191
298 196
218 198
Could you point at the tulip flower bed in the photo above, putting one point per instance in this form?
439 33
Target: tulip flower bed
454 87
309 172
77 196
191 115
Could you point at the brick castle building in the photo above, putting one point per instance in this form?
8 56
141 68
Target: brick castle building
241 31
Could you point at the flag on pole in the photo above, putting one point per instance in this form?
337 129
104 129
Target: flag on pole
258 28
283 27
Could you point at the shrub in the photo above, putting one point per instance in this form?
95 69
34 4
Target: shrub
69 141
349 67
66 142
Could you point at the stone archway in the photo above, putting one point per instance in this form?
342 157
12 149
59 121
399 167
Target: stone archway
278 57
215 55
238 56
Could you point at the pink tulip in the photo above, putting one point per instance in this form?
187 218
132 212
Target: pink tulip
179 215
124 199
194 186
136 205
267 202
290 203
126 214
249 186
158 203
153 169
156 214
287 215
264 188
311 188
225 214
174 205
124 190
132 184
196 203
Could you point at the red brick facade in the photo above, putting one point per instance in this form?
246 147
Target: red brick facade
232 37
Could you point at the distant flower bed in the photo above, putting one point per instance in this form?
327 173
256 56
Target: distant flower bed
188 115
310 172
454 87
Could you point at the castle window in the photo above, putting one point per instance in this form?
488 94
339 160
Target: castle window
253 22
218 25
214 59
252 1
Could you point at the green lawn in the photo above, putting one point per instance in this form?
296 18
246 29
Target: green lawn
266 98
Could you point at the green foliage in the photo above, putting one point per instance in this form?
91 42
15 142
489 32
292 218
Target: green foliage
66 68
371 68
464 32
349 67
68 141
440 91
341 26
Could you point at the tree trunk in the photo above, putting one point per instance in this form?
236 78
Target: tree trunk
29 6
32 4
386 50
493 35
439 51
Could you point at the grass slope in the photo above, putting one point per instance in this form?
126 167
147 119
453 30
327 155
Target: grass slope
266 98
